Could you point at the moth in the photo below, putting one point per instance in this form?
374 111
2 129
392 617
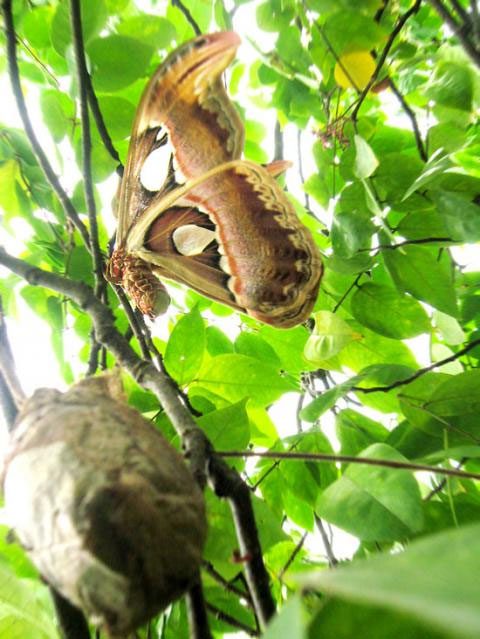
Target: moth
200 215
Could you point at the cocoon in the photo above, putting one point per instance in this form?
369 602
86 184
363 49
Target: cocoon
105 507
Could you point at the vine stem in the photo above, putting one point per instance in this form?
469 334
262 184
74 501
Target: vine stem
350 459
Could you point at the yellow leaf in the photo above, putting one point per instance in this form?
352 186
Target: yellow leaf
354 70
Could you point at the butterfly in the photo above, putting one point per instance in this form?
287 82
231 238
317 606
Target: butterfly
192 211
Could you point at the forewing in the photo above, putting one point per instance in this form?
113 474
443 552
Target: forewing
185 125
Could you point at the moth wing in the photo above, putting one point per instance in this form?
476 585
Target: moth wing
185 100
260 259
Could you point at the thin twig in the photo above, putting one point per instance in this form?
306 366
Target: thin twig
228 483
197 613
439 487
383 56
347 292
12 395
232 621
82 73
458 30
411 115
278 153
419 373
228 585
300 168
99 121
349 459
294 554
187 15
52 178
332 560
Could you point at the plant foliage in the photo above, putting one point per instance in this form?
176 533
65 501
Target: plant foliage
376 103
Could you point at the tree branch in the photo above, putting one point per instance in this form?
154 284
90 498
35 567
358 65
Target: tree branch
42 159
197 613
228 585
458 29
350 459
99 121
199 451
71 620
81 67
419 373
332 560
383 56
411 115
187 15
228 483
235 623
11 392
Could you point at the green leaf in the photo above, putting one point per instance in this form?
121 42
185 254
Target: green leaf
330 335
289 623
342 619
365 160
227 428
9 175
25 610
58 112
118 115
254 345
235 377
424 274
433 580
153 30
327 400
185 348
461 217
384 310
374 503
94 16
356 431
118 61
451 85
351 232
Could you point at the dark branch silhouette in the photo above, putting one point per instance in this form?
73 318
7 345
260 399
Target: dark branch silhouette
52 178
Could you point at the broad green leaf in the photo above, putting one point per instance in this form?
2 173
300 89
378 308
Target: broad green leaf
330 335
433 580
356 431
461 217
227 428
365 160
25 608
217 342
458 395
437 164
254 345
327 400
117 61
306 479
9 175
342 619
374 503
150 29
118 115
290 623
424 274
375 349
383 376
384 310
185 347
36 26
235 377
449 328
94 16
351 232
418 225
451 85
58 112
